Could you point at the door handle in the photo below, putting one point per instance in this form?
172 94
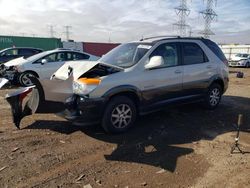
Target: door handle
177 72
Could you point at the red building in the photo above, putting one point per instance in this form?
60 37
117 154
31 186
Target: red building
98 49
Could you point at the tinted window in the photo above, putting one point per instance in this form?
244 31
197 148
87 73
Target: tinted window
215 49
168 53
25 52
193 54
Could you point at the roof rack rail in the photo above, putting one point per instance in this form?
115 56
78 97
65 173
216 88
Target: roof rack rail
162 36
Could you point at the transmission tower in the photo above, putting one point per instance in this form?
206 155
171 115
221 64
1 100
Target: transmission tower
67 31
51 31
209 15
182 12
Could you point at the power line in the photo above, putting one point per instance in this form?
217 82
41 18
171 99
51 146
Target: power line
182 12
67 31
209 15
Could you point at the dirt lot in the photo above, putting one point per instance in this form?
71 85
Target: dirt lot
182 147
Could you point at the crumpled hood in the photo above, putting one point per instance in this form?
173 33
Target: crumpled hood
79 68
15 62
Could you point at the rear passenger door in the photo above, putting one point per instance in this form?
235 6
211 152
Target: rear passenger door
197 69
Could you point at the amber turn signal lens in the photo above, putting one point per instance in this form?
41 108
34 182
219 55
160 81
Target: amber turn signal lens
90 81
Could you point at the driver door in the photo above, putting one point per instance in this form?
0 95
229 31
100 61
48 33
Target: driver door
163 84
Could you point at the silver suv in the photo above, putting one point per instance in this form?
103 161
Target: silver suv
140 77
134 79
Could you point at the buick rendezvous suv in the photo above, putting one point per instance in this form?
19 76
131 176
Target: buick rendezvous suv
143 76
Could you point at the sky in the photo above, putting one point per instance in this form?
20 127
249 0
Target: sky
121 20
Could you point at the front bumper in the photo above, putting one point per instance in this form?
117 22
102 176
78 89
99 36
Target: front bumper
236 64
83 110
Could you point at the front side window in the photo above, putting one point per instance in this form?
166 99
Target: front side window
126 55
193 54
50 58
61 56
168 52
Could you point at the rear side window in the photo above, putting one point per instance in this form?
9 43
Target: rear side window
193 54
78 56
25 52
215 49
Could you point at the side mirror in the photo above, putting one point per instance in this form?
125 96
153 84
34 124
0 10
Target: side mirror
44 61
155 62
3 54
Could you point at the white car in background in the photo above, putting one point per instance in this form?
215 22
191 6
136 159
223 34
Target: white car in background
240 60
44 64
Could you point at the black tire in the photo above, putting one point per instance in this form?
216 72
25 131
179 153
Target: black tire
111 115
213 96
247 64
23 77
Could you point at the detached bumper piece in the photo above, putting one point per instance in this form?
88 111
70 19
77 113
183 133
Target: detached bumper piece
23 102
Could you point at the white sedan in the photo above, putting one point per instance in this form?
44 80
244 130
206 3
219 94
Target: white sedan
44 64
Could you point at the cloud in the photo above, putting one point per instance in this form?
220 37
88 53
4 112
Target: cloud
97 20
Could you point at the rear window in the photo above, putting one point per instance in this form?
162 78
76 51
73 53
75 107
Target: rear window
215 48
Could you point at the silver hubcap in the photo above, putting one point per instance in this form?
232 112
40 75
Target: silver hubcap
214 96
26 81
121 116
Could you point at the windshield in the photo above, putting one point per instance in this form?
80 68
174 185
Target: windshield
126 55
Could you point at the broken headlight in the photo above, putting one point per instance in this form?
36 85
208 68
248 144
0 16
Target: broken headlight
84 86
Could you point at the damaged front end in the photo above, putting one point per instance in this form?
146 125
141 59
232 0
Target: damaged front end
52 96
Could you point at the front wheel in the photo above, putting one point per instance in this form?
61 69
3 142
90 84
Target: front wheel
247 64
213 96
24 79
119 115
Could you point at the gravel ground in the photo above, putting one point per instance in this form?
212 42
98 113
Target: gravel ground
185 146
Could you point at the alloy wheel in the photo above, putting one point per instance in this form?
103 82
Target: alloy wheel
121 116
214 97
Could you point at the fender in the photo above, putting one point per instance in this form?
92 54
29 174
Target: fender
123 89
216 78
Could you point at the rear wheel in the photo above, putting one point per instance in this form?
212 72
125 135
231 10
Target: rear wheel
119 115
213 96
24 79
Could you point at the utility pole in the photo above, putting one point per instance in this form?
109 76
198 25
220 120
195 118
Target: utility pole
209 15
51 31
67 31
182 12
